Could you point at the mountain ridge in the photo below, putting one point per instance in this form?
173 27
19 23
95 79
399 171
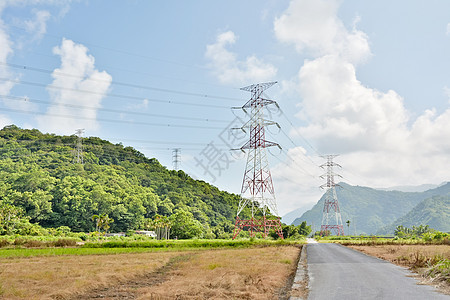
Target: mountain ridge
40 177
370 209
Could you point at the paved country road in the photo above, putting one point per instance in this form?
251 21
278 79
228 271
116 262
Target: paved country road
337 272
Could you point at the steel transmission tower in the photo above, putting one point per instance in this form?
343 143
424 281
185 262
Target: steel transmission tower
79 146
176 158
331 220
257 191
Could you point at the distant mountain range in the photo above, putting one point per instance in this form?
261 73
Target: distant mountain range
373 211
291 216
412 188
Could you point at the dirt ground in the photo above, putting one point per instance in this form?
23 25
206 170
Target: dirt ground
255 273
414 257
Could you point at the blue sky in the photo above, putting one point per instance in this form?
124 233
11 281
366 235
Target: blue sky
367 80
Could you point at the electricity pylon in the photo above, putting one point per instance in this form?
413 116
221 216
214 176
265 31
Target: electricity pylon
257 190
79 147
331 205
176 158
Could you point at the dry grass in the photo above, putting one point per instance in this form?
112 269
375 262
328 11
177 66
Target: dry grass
257 273
406 255
419 258
60 276
254 273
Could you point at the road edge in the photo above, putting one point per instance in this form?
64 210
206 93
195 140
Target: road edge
299 290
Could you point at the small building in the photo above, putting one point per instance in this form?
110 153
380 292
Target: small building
147 233
115 234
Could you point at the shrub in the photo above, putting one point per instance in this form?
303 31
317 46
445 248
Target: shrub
64 243
4 243
34 244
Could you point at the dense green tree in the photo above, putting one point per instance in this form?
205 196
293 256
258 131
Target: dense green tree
184 226
40 179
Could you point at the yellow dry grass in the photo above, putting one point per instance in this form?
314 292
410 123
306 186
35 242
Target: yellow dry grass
258 273
405 255
60 276
253 273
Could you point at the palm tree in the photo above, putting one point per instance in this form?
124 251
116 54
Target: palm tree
102 222
96 219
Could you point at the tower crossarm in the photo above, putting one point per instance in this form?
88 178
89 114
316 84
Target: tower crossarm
257 190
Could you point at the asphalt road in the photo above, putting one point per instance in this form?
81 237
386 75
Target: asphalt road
337 272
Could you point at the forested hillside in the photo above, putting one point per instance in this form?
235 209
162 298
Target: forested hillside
434 212
39 176
369 209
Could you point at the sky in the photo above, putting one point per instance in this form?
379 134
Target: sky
368 81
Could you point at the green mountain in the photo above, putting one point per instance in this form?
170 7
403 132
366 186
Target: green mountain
38 174
434 211
369 209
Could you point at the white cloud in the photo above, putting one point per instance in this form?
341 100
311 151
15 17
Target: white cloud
343 114
379 141
64 89
4 120
448 29
38 26
5 52
296 181
447 92
230 70
313 26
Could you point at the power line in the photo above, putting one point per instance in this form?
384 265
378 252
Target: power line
109 94
108 109
118 50
299 134
295 145
46 71
111 120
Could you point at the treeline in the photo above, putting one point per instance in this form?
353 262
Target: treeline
41 185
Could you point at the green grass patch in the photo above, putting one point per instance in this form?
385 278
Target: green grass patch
30 252
181 244
373 241
117 247
440 270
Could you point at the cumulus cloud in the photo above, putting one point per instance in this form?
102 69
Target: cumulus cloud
229 70
38 25
76 74
447 92
5 52
296 181
4 120
380 143
448 29
344 115
314 26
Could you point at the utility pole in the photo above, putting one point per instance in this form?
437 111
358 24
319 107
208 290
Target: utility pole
257 190
331 205
79 146
176 158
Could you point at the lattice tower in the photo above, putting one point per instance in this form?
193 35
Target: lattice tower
331 219
176 158
257 190
79 147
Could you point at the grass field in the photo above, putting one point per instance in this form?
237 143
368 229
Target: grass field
244 273
117 247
